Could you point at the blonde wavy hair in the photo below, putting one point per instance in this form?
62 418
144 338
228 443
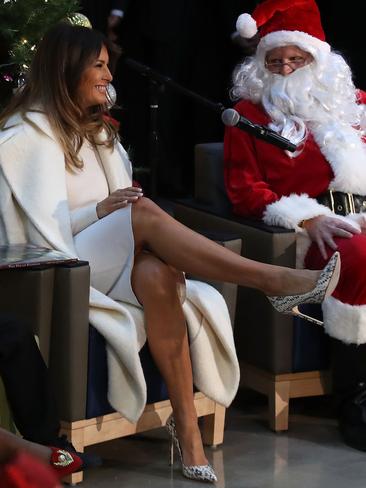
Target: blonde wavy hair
52 85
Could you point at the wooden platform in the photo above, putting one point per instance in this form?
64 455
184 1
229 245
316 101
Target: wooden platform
280 388
84 433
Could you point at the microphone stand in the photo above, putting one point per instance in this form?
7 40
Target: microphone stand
154 144
157 83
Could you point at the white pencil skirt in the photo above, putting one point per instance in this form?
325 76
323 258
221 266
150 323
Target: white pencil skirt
109 246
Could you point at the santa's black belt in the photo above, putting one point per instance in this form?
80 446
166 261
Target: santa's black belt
343 203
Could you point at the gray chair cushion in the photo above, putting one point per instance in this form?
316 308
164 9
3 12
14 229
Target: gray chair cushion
209 176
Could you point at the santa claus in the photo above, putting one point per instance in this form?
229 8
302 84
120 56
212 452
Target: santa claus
297 86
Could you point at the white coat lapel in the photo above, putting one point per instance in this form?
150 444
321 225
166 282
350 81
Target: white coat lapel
34 167
117 167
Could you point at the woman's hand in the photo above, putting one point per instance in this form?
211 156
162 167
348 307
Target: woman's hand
118 199
322 230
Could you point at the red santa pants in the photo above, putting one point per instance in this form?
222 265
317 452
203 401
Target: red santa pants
351 288
344 313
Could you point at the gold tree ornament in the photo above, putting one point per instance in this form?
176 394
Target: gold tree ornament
79 19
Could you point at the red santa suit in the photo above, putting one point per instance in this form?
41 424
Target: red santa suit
263 181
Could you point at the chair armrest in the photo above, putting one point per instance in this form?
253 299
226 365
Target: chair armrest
269 244
209 176
69 340
27 294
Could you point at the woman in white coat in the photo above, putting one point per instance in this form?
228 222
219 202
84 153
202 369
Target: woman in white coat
65 182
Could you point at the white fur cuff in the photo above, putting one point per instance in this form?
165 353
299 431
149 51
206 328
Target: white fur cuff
289 211
345 322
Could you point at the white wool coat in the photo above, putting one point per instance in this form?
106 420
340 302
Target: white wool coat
34 208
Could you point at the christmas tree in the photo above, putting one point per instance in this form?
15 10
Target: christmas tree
22 25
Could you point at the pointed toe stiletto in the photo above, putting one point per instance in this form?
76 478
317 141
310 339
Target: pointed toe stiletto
324 287
203 472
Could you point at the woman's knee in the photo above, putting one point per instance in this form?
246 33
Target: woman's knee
144 209
155 280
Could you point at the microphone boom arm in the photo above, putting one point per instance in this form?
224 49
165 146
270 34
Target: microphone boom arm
166 81
158 80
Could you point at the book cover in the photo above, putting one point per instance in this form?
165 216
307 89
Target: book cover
27 256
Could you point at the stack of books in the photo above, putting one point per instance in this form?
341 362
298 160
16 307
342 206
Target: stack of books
29 256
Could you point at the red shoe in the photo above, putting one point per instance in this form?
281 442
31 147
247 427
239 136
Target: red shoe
64 462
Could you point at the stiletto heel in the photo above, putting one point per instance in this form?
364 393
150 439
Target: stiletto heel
171 452
203 472
324 287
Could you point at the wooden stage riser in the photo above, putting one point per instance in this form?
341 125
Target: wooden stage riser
87 432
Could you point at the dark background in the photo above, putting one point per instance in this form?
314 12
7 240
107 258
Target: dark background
189 41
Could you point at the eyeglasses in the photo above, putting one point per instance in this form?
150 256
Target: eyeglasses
294 63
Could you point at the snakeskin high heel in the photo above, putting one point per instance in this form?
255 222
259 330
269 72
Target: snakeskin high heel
325 286
203 472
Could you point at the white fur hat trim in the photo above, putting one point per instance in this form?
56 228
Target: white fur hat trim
305 41
246 26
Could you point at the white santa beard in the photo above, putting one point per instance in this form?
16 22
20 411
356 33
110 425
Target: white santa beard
282 93
343 148
298 102
299 99
282 100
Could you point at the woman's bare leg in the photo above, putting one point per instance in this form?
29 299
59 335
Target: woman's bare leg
188 251
155 285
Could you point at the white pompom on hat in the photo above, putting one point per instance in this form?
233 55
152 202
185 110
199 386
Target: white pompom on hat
246 26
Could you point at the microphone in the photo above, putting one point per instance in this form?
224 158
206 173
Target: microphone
232 118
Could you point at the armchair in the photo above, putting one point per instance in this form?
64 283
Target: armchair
280 356
54 302
78 370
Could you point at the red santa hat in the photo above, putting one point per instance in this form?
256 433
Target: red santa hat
285 22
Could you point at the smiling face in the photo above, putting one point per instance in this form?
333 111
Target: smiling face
287 59
92 89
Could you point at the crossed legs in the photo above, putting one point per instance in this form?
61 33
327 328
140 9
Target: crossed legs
155 279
